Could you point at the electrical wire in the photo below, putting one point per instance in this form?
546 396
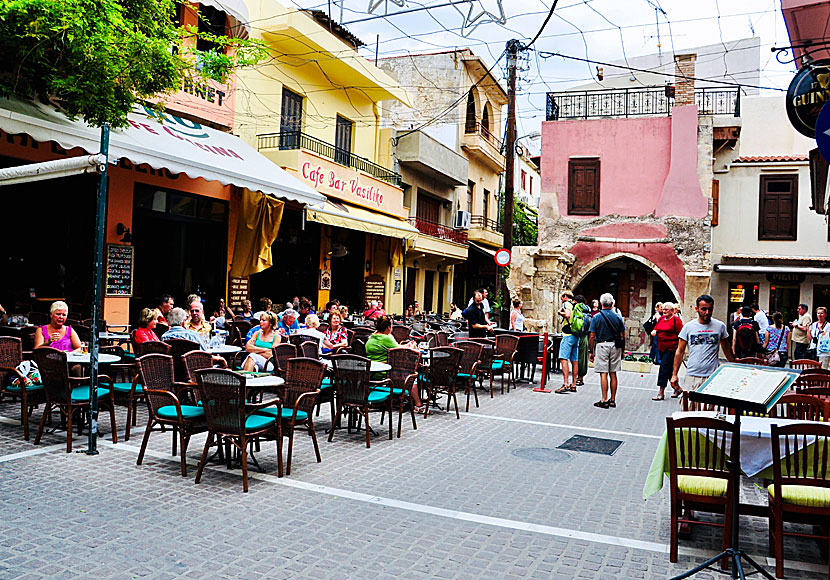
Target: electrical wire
545 23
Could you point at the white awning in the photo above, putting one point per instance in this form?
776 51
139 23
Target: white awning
746 269
356 218
178 145
237 10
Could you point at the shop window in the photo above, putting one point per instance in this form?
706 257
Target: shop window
291 119
583 187
777 209
784 299
211 21
741 294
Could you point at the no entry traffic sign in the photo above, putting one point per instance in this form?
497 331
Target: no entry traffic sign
502 257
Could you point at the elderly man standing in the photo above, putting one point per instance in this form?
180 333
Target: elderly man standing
607 331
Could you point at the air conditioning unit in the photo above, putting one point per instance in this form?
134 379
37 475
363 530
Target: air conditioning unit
462 220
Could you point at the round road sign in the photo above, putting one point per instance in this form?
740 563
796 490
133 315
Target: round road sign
502 257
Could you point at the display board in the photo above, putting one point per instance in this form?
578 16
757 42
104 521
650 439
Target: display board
238 292
746 387
374 288
119 271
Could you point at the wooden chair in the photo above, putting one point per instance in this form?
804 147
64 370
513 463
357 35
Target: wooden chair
165 409
303 377
401 380
280 356
822 393
67 394
809 380
698 475
443 338
506 346
362 332
355 394
817 371
11 355
752 360
802 407
468 368
800 484
804 363
231 420
442 375
488 363
401 333
180 347
196 360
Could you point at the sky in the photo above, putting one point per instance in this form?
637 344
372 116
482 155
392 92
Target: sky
598 30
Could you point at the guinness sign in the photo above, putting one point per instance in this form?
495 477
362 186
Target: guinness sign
807 94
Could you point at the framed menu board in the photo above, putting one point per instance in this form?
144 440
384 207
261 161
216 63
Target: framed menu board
747 387
238 291
374 288
119 271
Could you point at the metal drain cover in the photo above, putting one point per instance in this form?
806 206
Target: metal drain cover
543 454
591 445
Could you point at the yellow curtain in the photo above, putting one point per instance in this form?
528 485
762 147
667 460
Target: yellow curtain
259 222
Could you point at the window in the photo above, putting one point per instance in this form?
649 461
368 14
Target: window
429 209
471 188
741 294
486 204
524 180
777 207
715 201
291 119
583 187
343 141
211 21
470 121
485 117
530 191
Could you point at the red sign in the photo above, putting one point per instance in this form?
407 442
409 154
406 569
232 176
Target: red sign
502 257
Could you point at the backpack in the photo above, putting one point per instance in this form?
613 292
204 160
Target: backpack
746 337
578 326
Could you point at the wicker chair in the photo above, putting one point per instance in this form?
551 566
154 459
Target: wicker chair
231 420
324 326
160 329
303 377
180 347
355 394
752 360
442 375
152 347
401 333
506 346
488 363
401 380
239 330
310 349
164 407
358 347
468 368
362 332
196 360
63 396
443 338
801 407
38 318
11 355
804 363
281 354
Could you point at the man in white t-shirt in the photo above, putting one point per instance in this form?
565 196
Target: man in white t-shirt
485 304
704 337
760 317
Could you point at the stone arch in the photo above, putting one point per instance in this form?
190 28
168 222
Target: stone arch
580 273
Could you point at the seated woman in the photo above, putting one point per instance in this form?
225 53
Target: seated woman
57 333
336 334
247 312
261 342
344 312
377 349
312 323
147 321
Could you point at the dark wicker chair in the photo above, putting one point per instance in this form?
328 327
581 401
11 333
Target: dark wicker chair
801 407
281 354
180 347
468 368
84 332
443 338
196 360
160 329
231 420
324 326
358 347
163 395
303 377
67 394
401 333
310 348
442 374
239 330
154 347
752 360
11 355
352 382
401 380
506 346
362 332
488 364
803 364
38 318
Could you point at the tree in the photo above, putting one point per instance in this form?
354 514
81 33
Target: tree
525 223
98 57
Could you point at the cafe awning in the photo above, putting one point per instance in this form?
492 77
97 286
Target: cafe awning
483 250
177 145
355 218
749 269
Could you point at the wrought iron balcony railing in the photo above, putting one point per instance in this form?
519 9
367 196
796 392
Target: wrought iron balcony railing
644 102
478 128
437 230
479 221
290 140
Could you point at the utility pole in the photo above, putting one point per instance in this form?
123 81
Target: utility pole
513 47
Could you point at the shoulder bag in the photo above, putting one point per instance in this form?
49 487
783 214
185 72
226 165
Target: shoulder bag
619 341
774 357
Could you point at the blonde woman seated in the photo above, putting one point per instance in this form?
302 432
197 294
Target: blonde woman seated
312 323
261 342
57 333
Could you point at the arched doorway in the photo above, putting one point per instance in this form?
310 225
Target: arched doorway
635 285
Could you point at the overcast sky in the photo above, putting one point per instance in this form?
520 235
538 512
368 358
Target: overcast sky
601 30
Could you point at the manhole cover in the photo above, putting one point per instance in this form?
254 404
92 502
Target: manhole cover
591 445
542 454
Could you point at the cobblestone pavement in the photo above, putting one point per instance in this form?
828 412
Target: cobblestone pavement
452 499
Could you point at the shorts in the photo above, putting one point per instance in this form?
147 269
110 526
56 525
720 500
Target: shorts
825 362
260 362
569 347
691 383
607 358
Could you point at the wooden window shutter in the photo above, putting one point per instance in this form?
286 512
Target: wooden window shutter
583 187
778 207
715 201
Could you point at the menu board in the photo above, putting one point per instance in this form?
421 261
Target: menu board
238 291
119 270
747 387
374 288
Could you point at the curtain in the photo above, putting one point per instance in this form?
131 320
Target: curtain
259 223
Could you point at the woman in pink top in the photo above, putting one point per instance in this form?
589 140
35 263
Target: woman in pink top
57 334
147 321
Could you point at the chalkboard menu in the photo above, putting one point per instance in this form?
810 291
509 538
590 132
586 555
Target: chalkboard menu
119 272
374 288
238 291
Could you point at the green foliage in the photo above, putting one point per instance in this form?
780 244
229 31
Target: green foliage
98 57
525 223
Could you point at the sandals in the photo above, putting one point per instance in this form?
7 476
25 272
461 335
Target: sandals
420 410
580 383
677 393
603 404
612 403
564 389
659 398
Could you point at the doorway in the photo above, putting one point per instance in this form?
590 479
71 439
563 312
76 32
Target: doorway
784 299
429 290
411 274
347 270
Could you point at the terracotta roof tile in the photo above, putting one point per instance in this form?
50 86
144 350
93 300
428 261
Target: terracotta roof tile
771 158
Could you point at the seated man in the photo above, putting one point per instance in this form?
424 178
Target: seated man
372 312
165 306
305 310
197 322
176 319
288 322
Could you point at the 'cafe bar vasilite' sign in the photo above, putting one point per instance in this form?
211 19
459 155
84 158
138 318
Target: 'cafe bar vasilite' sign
807 94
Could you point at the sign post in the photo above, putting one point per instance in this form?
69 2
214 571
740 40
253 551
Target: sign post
502 258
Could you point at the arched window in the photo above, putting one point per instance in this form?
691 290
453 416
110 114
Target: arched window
470 121
485 117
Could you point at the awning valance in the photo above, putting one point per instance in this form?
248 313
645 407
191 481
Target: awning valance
483 250
356 218
178 145
238 12
748 269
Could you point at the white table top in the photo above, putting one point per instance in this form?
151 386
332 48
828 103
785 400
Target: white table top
224 349
375 367
113 336
267 381
84 358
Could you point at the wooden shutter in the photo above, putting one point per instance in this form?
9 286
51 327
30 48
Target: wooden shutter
428 209
583 187
778 207
291 119
715 201
343 141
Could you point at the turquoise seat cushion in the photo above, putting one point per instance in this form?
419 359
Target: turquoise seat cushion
81 394
128 356
188 412
326 384
396 392
497 364
126 388
465 376
283 413
378 397
29 389
257 422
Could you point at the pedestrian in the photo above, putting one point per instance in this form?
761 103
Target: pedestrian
583 339
800 332
820 337
606 344
517 319
476 319
702 336
665 334
775 341
648 325
760 317
569 347
746 339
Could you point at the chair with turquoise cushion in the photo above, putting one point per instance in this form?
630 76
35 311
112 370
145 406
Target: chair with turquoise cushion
164 404
401 380
506 346
698 474
327 395
11 355
231 419
67 394
488 364
303 377
352 380
800 490
468 367
441 376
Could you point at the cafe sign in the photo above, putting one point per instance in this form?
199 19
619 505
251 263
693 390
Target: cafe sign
807 94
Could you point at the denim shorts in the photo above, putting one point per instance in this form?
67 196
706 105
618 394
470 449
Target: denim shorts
569 347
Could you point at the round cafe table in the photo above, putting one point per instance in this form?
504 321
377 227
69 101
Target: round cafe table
224 349
263 382
113 336
375 367
83 358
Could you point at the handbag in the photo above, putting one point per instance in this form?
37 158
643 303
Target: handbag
619 342
774 357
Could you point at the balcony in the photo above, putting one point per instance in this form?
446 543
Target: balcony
297 140
485 231
479 221
440 231
478 140
645 102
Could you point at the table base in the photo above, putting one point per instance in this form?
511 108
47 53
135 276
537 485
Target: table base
737 568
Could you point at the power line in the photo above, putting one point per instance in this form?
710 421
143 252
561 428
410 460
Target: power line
545 23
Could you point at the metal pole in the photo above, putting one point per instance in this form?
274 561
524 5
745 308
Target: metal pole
97 298
513 47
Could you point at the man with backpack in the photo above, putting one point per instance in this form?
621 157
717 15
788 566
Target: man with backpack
746 339
569 347
580 327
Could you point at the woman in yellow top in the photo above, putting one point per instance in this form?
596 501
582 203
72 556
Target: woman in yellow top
261 342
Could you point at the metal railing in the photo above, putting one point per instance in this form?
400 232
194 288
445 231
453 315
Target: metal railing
479 129
479 221
290 140
647 101
437 230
